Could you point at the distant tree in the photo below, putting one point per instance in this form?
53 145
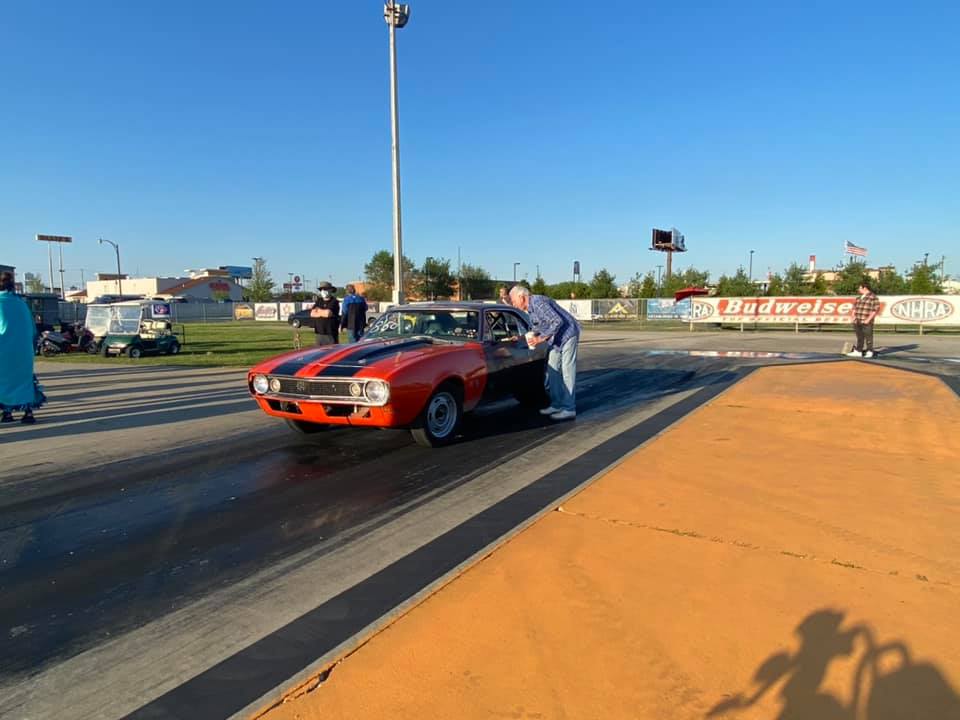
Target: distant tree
648 288
378 293
434 280
776 285
261 284
568 290
642 287
891 282
539 286
849 278
819 285
738 285
924 280
795 281
475 283
691 277
604 285
34 283
379 271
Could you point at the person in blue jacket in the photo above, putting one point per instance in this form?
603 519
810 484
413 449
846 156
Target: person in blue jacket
353 313
18 386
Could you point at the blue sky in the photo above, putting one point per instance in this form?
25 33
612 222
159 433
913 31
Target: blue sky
202 134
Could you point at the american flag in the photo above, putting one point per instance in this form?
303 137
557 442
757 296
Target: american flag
851 249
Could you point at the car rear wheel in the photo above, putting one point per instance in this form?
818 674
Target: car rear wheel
134 352
440 418
174 348
295 322
305 428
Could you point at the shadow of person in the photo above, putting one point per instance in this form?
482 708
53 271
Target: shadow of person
912 690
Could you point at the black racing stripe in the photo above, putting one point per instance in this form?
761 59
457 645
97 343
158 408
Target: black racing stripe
368 355
290 367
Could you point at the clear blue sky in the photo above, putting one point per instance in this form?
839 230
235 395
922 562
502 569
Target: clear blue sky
203 133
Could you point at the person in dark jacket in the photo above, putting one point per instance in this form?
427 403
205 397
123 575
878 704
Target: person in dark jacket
326 316
353 313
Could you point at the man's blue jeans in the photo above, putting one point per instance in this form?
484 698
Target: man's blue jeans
562 375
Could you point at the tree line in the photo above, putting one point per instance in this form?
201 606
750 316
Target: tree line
437 278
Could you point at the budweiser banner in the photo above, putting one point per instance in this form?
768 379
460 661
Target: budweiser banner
894 310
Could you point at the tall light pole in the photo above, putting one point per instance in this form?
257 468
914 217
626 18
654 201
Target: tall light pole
396 16
515 266
751 265
659 269
116 249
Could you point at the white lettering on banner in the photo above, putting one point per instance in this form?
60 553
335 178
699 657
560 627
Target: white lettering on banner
940 310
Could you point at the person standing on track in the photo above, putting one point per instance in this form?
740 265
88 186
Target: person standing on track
353 314
865 311
18 385
325 314
554 325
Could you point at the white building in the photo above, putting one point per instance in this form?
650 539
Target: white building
205 285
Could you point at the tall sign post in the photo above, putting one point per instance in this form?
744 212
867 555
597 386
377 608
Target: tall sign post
669 242
396 16
60 240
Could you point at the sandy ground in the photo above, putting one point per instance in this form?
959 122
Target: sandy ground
788 551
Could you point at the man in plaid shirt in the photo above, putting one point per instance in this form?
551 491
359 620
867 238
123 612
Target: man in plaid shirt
865 311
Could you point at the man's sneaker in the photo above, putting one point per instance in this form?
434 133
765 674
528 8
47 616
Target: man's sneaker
563 415
855 353
868 354
550 410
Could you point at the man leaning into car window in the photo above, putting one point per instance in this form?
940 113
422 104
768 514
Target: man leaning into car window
554 325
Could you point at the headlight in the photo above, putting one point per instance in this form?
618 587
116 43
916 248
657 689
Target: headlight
377 392
275 385
356 390
260 384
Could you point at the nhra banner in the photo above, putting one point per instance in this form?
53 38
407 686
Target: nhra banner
894 310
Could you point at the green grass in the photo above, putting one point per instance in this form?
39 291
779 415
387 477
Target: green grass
228 344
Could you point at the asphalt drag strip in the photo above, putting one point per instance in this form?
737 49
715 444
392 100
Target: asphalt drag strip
145 594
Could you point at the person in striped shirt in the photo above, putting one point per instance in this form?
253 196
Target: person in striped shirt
555 326
865 311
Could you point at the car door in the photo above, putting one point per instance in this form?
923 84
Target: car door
510 362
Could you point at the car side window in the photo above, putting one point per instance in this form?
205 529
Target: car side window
516 325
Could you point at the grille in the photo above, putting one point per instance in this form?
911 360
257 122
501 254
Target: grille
316 388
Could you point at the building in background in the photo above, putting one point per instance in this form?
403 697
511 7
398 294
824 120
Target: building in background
203 285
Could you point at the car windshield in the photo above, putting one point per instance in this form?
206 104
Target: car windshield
448 324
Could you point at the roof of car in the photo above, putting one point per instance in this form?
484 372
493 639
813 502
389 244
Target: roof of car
453 305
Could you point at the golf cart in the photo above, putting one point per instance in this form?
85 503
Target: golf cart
133 329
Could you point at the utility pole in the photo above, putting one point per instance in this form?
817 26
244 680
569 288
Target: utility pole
751 266
397 16
515 266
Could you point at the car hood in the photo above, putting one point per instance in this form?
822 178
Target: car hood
347 360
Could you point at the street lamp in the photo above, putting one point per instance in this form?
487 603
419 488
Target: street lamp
426 273
659 269
396 16
751 265
116 249
515 266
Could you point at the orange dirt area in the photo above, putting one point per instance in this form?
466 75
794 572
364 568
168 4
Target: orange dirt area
791 550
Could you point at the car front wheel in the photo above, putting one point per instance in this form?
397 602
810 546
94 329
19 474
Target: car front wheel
174 348
438 423
295 323
134 352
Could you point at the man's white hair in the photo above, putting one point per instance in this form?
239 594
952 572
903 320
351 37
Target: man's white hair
520 290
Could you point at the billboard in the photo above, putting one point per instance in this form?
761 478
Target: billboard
243 311
668 240
238 272
668 309
894 310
